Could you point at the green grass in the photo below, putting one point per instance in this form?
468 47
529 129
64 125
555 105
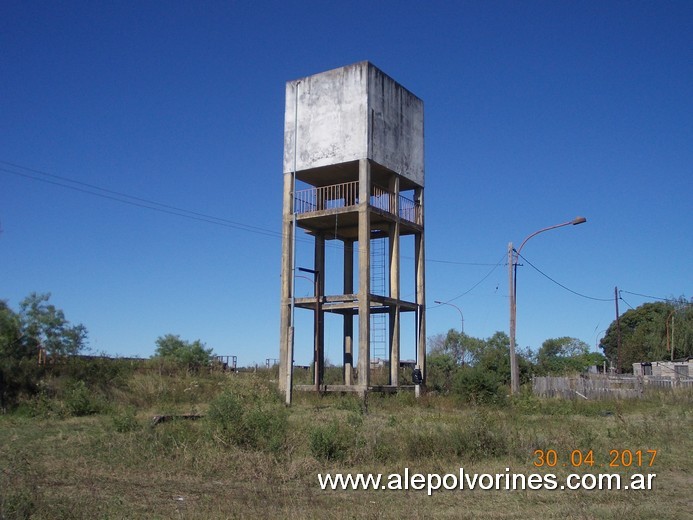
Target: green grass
251 458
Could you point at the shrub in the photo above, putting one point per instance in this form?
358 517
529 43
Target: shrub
479 439
441 371
80 401
40 405
192 355
19 379
329 442
97 372
478 385
251 422
126 421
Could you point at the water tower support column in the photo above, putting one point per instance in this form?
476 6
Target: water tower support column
286 279
348 316
319 318
420 267
394 284
364 299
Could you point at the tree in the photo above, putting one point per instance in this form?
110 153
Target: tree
565 355
44 326
441 368
38 324
493 355
474 367
461 348
10 333
646 334
193 355
680 328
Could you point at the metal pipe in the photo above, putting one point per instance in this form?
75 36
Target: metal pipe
290 350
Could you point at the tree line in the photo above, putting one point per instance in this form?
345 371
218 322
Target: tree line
657 331
37 337
476 368
480 368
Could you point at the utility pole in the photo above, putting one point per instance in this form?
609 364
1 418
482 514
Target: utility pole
514 372
672 335
618 333
513 257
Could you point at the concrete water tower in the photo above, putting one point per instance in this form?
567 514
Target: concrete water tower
353 172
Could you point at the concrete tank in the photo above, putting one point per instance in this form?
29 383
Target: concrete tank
351 113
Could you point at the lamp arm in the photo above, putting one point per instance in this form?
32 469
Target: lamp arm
517 251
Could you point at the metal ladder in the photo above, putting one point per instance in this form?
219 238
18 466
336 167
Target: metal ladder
379 338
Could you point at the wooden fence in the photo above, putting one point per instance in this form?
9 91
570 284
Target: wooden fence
603 387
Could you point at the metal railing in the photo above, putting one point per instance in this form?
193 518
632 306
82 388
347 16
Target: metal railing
327 197
409 210
382 199
346 194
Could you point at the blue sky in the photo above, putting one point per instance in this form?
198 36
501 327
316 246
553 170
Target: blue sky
535 112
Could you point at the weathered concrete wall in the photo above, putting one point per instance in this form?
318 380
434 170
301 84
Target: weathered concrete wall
396 135
351 113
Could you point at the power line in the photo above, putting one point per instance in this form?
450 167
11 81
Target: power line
133 200
453 262
563 286
646 296
495 266
624 301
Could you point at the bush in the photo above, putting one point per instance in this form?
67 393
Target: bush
329 442
126 421
18 380
96 372
40 405
252 422
480 439
441 369
80 401
478 385
192 355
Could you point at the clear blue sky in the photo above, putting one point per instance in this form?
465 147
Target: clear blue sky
535 112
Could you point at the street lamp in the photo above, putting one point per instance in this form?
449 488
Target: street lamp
458 310
513 256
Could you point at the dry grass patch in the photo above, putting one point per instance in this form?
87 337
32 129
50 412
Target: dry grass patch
116 465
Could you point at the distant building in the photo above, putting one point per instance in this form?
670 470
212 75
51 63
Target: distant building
674 369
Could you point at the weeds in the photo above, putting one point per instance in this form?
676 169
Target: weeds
252 418
330 442
80 401
18 487
126 421
81 451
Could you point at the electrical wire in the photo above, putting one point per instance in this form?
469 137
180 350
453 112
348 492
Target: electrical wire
495 266
645 296
453 262
132 200
563 286
624 301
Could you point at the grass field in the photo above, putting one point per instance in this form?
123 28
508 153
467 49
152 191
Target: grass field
92 453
